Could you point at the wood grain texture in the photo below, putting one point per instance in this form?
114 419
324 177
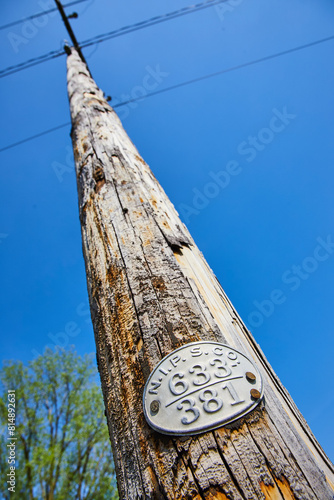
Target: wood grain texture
150 292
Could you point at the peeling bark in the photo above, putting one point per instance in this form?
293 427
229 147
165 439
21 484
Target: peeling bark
151 291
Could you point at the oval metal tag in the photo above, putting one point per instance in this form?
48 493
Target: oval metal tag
200 386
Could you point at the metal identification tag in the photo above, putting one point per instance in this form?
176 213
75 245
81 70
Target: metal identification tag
199 387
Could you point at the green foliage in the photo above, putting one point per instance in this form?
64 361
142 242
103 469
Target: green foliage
62 448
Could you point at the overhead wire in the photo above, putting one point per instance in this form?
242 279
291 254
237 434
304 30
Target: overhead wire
183 84
30 138
31 62
39 14
233 68
150 22
112 34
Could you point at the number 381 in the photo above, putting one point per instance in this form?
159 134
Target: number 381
211 404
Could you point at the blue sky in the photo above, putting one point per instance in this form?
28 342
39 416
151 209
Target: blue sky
246 157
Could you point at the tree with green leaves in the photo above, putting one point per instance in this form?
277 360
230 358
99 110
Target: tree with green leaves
62 449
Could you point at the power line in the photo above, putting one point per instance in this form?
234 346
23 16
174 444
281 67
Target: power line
227 70
31 62
150 22
112 34
27 139
45 12
56 53
183 84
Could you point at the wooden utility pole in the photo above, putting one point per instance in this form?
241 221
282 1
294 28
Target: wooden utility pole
151 292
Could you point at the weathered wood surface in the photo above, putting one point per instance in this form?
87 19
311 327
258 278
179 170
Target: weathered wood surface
151 291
